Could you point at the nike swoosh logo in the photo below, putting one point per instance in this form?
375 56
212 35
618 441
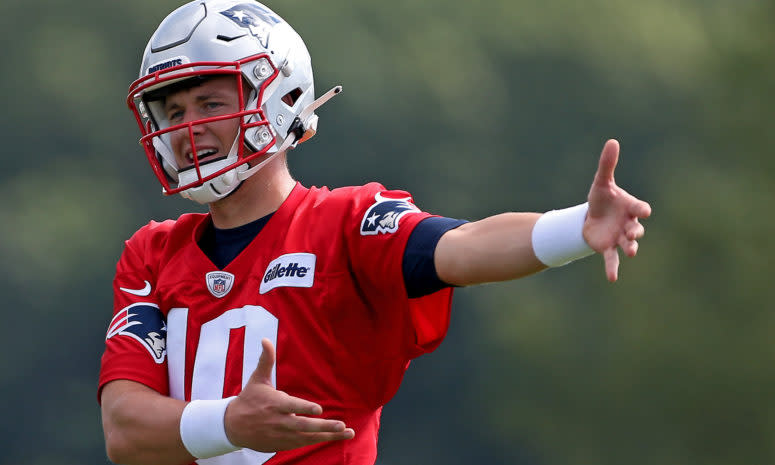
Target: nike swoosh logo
146 291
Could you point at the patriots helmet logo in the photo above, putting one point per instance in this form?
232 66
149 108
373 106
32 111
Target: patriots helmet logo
256 19
383 216
145 323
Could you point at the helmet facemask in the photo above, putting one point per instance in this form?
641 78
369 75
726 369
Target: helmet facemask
204 180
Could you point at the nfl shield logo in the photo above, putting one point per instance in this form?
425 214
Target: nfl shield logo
219 283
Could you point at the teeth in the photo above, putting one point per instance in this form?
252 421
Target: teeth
202 154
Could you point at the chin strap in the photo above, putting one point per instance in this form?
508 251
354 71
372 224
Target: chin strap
297 131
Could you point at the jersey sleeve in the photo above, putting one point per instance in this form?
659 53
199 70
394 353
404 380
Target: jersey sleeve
135 341
381 223
419 268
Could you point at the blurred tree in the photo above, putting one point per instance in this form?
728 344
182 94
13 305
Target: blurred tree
476 108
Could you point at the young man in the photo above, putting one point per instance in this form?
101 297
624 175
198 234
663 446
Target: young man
274 329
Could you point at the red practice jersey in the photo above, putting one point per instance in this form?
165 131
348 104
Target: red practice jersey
322 280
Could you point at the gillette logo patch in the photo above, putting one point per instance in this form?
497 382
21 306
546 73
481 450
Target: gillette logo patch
290 270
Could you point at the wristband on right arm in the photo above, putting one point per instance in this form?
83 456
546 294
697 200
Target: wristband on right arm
202 430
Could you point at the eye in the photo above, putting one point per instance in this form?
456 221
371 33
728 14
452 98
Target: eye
210 106
175 116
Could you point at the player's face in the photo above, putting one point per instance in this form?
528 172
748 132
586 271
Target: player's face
215 97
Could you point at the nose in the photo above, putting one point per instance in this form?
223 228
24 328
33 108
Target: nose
185 137
190 116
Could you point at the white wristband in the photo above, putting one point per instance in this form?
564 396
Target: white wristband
202 429
557 236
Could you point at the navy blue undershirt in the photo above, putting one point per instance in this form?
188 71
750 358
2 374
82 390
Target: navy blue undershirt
223 245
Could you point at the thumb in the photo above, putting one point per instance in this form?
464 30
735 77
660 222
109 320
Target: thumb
607 164
263 372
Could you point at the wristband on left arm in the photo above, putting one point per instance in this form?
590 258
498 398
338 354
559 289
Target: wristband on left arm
558 237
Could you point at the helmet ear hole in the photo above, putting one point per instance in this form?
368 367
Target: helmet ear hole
292 97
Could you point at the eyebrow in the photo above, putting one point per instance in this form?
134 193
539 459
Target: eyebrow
199 98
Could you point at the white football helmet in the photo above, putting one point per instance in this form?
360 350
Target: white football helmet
269 61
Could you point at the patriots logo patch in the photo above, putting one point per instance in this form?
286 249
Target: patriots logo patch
145 323
383 216
255 19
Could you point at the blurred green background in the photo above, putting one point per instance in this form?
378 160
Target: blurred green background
476 108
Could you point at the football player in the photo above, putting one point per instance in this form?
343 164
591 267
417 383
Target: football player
275 327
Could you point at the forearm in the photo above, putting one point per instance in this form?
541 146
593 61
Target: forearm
497 248
141 426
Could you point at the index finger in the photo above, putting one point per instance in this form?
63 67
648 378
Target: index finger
298 406
640 209
608 159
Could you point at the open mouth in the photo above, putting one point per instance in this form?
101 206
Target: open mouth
204 156
201 154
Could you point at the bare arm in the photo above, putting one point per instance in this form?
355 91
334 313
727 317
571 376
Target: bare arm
497 248
500 247
142 426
